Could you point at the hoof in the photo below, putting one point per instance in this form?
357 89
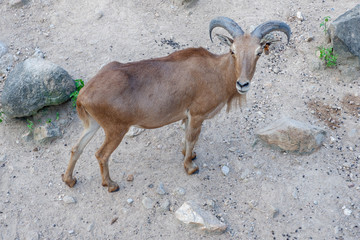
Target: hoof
192 169
70 182
112 186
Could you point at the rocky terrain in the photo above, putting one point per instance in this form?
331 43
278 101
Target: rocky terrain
257 191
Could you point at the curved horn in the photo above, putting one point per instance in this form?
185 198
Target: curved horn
270 26
228 24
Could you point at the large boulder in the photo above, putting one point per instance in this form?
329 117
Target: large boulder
345 33
34 84
292 136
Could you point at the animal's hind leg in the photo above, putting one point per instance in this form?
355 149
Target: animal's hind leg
87 135
112 141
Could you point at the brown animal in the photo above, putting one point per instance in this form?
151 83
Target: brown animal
189 85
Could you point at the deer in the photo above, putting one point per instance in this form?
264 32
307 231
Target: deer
190 85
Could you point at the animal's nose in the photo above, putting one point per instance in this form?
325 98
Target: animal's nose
243 85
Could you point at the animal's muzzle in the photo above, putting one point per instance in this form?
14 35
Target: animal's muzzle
242 88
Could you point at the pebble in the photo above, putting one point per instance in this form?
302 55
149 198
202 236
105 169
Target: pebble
130 178
245 174
148 203
225 170
180 191
3 49
90 227
68 200
71 231
130 201
232 149
160 190
3 159
165 205
347 212
300 16
274 211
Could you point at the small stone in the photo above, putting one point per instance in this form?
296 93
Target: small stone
160 190
134 131
316 202
347 212
99 15
148 203
68 200
191 213
180 191
165 205
38 53
130 201
71 231
3 159
225 170
245 174
274 212
276 70
47 132
232 149
130 178
310 37
300 16
90 227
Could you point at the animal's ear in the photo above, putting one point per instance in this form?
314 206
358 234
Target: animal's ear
224 39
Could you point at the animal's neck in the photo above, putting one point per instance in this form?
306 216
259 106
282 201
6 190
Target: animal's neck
227 67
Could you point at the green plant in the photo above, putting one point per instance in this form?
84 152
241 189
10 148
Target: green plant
79 85
323 24
48 120
328 56
57 116
1 118
30 124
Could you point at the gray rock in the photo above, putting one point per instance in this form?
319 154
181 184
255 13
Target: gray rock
6 63
186 3
293 136
191 213
160 190
17 3
69 200
47 132
345 33
134 131
3 49
130 201
180 191
34 84
148 203
225 170
165 205
3 159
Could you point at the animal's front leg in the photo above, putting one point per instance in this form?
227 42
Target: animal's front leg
192 133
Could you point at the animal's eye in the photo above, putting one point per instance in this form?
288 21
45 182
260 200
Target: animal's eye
232 52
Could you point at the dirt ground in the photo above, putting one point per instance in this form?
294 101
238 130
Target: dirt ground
267 194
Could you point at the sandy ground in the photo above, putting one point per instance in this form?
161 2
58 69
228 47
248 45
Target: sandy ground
317 196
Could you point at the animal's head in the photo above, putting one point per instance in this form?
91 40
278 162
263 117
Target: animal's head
245 48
